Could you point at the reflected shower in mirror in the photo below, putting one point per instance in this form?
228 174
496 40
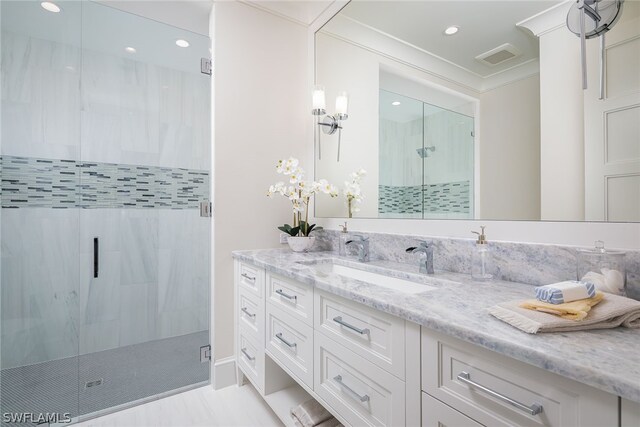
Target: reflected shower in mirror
426 160
487 122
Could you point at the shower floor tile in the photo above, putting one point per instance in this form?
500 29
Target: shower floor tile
104 379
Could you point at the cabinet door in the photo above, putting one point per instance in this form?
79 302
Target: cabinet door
630 413
437 414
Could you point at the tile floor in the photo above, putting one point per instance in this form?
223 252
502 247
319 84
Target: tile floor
229 407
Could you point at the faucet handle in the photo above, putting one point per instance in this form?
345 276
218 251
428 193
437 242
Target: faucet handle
426 243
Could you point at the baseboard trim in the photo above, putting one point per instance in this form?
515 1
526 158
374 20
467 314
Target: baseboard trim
224 373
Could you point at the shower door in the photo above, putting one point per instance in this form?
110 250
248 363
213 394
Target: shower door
105 164
449 164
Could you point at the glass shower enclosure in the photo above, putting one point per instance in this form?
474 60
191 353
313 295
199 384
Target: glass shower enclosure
104 165
426 160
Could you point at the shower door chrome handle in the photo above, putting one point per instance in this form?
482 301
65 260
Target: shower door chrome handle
96 257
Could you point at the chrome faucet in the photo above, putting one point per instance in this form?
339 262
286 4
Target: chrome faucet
363 246
427 249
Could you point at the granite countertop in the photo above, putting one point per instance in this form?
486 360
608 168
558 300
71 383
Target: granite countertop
606 359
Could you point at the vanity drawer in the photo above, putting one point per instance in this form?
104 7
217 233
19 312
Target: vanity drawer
251 314
361 392
372 334
250 278
290 342
480 383
292 297
250 357
437 414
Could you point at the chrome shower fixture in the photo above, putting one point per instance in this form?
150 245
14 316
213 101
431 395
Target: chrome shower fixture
424 151
330 123
593 18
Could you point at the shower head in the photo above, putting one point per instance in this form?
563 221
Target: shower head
424 151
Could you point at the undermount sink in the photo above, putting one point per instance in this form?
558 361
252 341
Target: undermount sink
382 280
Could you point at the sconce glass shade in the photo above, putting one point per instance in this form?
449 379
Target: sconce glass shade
318 101
342 105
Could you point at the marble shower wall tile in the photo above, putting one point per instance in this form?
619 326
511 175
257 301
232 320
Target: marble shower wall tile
126 112
40 281
40 98
534 264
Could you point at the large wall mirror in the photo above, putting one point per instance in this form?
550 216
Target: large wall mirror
476 110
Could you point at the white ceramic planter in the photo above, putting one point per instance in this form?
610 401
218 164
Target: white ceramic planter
300 244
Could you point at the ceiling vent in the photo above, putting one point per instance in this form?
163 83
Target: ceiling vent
499 55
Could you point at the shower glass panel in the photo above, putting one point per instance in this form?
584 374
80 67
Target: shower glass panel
39 220
426 160
401 165
448 164
105 162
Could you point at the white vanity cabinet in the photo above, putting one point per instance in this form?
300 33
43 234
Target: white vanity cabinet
495 390
370 368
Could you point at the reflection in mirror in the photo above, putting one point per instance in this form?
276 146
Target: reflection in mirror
490 122
426 160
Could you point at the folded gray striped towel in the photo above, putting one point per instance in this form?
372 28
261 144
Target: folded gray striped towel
570 290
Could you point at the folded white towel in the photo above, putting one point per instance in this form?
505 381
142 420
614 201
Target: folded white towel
611 312
570 290
310 414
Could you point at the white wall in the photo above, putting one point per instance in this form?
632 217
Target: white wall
510 151
561 127
261 102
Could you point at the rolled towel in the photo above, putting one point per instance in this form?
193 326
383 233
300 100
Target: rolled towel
614 280
610 281
568 291
310 413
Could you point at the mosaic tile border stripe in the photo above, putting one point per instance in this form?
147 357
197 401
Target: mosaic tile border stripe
449 197
29 182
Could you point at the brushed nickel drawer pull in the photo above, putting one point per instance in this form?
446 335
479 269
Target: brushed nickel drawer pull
339 321
287 296
281 338
245 311
534 409
338 379
246 276
247 355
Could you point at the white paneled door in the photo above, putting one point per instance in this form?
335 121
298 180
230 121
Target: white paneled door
612 126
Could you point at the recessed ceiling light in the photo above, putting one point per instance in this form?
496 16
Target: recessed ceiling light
396 103
182 43
449 31
130 49
51 7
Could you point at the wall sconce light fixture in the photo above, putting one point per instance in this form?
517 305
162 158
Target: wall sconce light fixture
330 123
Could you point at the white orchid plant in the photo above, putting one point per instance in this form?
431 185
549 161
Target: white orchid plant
299 193
353 192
